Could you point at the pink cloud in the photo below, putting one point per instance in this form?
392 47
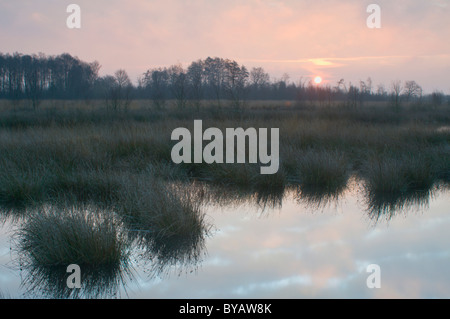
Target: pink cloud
324 36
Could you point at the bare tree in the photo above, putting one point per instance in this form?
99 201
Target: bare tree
119 92
156 81
412 91
215 76
381 90
341 86
195 75
259 78
235 84
365 90
178 84
396 91
285 78
369 85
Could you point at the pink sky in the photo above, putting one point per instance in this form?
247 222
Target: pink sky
329 38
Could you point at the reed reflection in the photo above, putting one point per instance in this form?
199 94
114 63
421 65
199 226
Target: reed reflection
51 239
160 228
40 281
388 205
265 199
168 227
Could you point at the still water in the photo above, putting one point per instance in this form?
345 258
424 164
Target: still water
294 248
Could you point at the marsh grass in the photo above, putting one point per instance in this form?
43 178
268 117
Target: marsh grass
96 282
159 208
393 182
89 154
166 222
394 176
67 164
388 205
322 172
167 172
87 237
238 175
21 189
51 238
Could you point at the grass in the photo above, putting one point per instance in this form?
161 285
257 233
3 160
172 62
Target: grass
96 282
85 237
393 182
67 164
165 221
321 171
394 176
165 210
90 155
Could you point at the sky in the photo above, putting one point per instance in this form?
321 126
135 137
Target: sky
304 39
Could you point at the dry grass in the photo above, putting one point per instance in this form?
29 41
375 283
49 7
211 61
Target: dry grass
62 237
79 151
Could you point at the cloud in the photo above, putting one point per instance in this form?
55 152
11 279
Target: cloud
271 286
298 37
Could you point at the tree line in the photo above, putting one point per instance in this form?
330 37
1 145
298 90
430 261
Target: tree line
38 76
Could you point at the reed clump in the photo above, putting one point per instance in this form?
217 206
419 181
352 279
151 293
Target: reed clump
60 237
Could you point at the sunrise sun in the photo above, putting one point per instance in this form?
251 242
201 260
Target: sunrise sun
317 80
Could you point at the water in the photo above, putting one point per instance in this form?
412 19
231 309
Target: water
298 249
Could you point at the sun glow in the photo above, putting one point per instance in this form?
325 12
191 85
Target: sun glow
317 80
